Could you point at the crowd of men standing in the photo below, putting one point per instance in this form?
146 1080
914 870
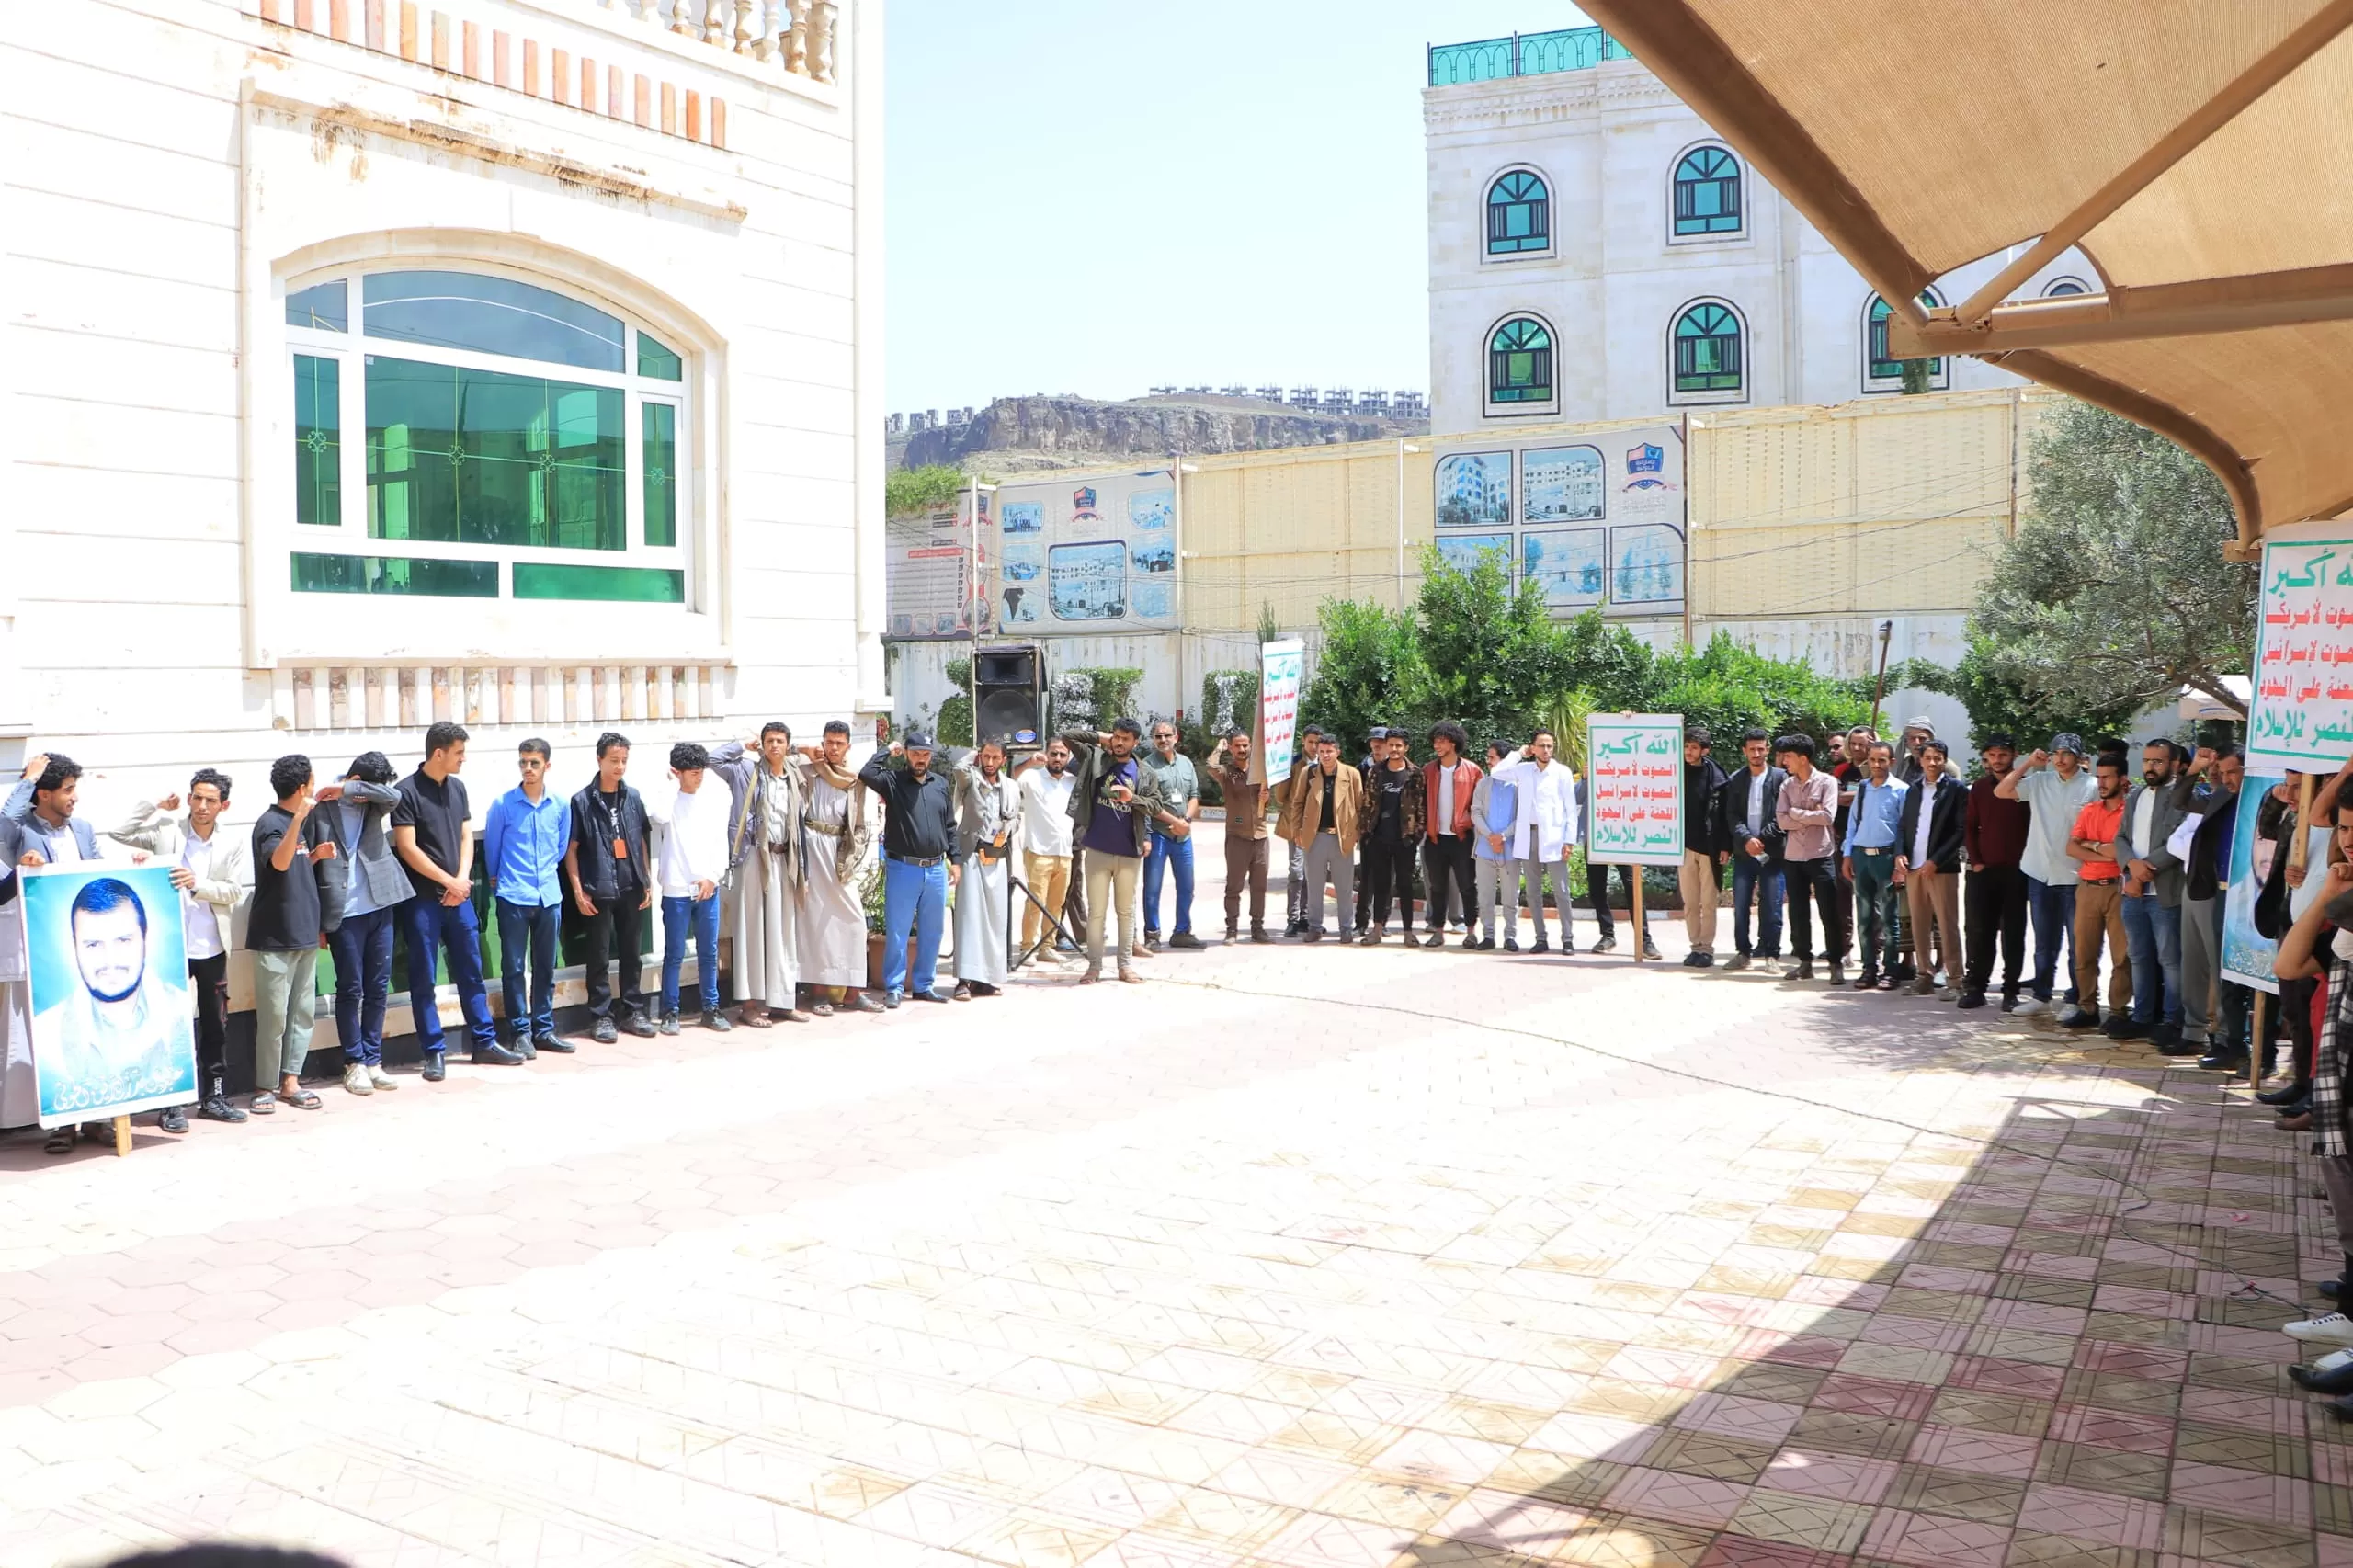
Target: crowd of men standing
1870 849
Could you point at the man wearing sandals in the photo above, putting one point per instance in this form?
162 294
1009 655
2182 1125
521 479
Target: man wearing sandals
768 855
295 900
1113 807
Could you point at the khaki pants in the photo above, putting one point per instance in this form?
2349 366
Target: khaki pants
1246 863
1111 884
1049 880
285 1004
1701 882
1933 898
2100 906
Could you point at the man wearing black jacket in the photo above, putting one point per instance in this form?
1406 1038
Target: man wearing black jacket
1702 878
612 886
2218 1031
1748 831
1931 837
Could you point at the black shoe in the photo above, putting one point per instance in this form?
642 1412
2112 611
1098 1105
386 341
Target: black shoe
2009 1000
1258 934
1904 973
605 1033
1511 944
2212 1062
669 1023
640 1026
2079 1019
1152 940
2332 1289
1606 945
1470 941
2166 1037
716 1021
216 1108
1313 934
436 1066
1838 972
494 1056
2123 1026
1972 999
889 1003
556 1043
1485 944
2340 1408
2335 1380
172 1119
1651 952
1539 946
1184 940
2288 1096
1806 972
1866 981
1695 959
521 1047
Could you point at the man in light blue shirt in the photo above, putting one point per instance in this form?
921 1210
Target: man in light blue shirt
523 843
1870 850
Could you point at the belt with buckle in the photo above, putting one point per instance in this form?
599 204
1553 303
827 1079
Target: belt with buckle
1881 850
918 860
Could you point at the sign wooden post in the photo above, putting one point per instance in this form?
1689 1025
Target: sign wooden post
121 1135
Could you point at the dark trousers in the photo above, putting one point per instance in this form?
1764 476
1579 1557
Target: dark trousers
432 928
209 978
1446 873
1820 879
1245 862
1765 882
363 979
1596 897
2294 1006
527 933
616 927
1390 863
1996 900
1074 901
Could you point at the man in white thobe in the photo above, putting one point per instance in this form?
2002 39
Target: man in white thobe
1544 831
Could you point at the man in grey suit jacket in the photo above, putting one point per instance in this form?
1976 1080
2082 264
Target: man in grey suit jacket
2152 878
374 890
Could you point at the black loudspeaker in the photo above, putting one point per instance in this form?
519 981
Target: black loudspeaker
1009 684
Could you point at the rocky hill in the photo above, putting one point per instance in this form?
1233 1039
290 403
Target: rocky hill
1018 435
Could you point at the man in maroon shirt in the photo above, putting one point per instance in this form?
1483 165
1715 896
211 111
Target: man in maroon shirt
1992 840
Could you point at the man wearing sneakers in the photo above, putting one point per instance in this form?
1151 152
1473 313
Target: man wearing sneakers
2099 902
1495 813
1994 839
1172 842
2055 786
1450 779
1808 806
1246 833
612 887
1701 880
1544 831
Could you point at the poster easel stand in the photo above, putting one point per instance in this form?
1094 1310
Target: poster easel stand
1642 931
121 1136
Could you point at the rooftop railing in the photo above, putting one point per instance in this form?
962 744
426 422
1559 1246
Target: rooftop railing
1522 54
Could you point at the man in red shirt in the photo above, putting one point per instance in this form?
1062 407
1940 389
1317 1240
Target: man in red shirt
2099 901
1992 842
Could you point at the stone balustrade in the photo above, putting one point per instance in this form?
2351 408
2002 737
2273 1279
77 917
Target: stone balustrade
311 697
799 35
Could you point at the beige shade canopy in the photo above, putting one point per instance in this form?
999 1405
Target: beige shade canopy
2199 152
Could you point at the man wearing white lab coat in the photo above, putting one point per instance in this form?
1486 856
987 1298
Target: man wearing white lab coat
1545 831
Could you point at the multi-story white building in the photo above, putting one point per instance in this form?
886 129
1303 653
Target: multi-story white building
1598 253
376 361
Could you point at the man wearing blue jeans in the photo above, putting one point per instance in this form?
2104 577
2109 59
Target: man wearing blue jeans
694 826
375 890
918 826
433 836
1180 787
524 841
2152 883
1749 826
1873 836
2056 787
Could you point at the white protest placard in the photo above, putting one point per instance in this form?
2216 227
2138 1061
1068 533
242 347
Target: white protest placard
1281 668
1634 790
2301 719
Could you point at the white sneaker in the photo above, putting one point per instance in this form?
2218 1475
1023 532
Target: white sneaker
2029 1006
355 1080
2329 1328
378 1078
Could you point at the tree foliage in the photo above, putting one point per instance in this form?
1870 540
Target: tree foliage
907 491
2115 586
1999 705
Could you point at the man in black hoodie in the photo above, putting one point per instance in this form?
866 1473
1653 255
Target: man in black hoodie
1702 878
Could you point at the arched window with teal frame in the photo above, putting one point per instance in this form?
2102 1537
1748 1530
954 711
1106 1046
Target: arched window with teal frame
1880 365
1519 362
1707 194
1708 356
1519 215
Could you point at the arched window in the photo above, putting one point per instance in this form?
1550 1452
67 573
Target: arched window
1519 362
1707 351
1707 194
1882 371
468 434
1519 215
2059 287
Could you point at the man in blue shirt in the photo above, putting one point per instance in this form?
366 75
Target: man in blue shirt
523 841
1873 843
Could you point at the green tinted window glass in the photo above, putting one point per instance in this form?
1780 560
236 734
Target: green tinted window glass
490 315
479 457
656 361
643 584
658 462
322 308
394 574
318 441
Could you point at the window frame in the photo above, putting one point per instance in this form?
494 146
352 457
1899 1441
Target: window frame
1742 338
1874 385
1511 409
352 349
1674 183
2064 287
1486 206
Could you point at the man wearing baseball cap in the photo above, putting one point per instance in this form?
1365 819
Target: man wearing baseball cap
2055 786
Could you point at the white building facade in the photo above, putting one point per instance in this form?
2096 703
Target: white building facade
1596 252
379 361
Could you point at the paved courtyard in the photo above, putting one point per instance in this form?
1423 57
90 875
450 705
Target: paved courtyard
1290 1257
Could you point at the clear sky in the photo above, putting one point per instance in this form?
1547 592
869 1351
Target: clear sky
1101 195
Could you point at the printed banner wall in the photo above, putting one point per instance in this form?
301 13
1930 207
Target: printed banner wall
112 1026
1087 554
1634 790
928 580
1282 666
1599 522
2303 717
2246 956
